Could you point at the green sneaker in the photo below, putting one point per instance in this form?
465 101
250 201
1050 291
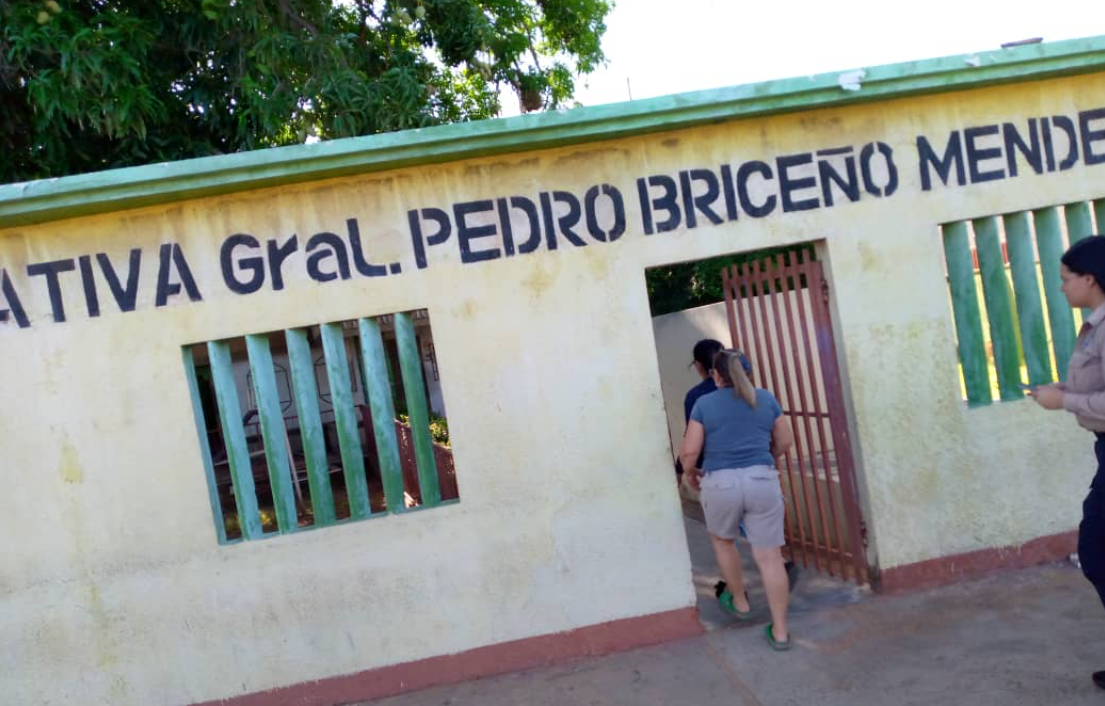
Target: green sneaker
725 600
776 644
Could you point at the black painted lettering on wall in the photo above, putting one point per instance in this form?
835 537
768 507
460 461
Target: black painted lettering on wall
420 242
321 247
494 227
126 297
567 222
530 208
729 188
52 272
502 206
744 173
952 158
14 305
702 203
1066 125
466 232
360 260
1015 143
977 154
866 156
277 255
788 184
172 258
547 220
1090 136
848 183
88 282
618 206
253 267
667 202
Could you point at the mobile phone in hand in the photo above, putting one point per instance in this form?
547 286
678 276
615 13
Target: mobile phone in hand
1028 388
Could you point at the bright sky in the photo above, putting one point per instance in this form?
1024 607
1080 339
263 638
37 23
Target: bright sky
674 46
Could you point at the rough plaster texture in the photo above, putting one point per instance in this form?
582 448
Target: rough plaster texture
113 588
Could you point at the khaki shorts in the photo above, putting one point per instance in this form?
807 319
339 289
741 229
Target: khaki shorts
751 494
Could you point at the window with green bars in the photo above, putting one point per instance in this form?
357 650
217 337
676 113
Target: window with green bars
1013 325
319 425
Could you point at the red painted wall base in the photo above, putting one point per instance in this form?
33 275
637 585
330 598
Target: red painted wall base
973 565
589 641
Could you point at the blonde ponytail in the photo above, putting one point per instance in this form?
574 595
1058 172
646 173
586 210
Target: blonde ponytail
742 386
729 366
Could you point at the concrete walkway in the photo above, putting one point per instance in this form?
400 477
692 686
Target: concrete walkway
1025 637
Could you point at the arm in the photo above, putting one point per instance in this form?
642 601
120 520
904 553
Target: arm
1089 406
692 447
782 437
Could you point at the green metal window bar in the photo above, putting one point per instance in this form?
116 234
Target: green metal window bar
300 470
1007 333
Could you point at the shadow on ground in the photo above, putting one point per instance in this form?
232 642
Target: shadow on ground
814 591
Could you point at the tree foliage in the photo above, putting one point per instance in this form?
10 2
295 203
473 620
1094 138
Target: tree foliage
93 84
692 284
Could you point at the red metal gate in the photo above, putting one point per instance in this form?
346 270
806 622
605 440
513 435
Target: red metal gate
782 313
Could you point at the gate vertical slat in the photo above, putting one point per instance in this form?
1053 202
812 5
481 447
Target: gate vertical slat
727 285
800 402
806 269
738 300
821 333
813 363
800 459
747 311
759 273
811 322
834 397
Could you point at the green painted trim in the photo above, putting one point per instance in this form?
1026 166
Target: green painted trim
345 418
302 364
273 432
1026 289
1099 216
205 447
968 319
378 386
410 367
234 435
999 307
100 192
1049 245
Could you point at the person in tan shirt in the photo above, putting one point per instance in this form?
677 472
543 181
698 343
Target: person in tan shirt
1083 394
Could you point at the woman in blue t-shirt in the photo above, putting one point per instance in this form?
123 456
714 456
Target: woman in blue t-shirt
743 430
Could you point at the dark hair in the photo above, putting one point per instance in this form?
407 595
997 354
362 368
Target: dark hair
1087 257
732 367
704 352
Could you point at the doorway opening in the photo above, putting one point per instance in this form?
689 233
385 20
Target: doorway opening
774 306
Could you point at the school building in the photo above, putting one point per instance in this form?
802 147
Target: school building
317 424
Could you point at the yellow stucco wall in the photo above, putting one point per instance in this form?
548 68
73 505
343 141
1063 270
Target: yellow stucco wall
113 588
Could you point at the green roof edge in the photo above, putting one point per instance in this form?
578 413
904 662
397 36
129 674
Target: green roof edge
133 187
